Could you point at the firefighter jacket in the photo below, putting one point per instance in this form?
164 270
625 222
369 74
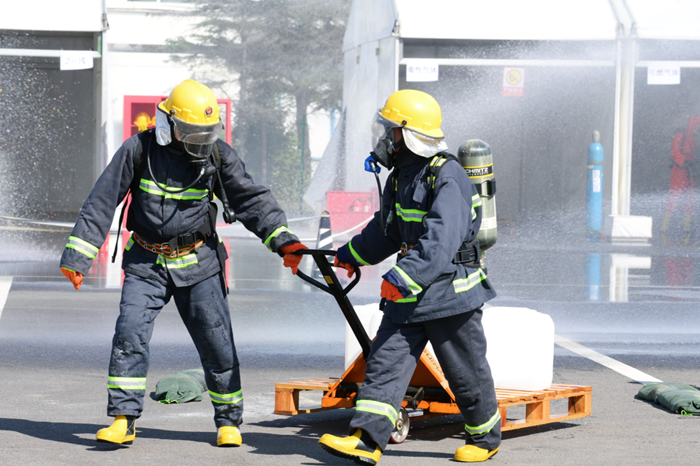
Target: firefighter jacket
158 216
432 228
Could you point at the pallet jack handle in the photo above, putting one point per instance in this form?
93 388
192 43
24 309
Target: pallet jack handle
334 288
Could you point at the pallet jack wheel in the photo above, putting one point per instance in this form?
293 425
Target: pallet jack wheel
403 425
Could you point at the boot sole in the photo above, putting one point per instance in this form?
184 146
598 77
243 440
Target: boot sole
128 442
357 459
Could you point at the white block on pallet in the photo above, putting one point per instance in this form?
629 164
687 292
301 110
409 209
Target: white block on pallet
519 347
520 344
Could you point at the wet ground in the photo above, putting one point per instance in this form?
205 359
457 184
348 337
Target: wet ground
637 305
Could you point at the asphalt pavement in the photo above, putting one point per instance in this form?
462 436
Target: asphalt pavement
55 344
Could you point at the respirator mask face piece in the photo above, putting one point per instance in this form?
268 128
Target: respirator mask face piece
383 141
198 140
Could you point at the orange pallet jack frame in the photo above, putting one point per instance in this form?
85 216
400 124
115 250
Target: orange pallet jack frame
428 392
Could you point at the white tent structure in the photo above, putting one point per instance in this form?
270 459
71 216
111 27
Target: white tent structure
581 62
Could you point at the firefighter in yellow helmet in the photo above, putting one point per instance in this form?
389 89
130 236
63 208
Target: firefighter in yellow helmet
174 251
430 215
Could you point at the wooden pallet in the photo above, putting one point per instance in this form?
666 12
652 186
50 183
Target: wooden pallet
287 395
537 403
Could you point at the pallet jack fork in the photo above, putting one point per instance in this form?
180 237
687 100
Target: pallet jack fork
428 393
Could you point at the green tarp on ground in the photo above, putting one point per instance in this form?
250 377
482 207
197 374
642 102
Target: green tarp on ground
678 398
181 387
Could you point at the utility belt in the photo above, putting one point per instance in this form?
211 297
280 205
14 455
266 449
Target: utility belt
182 244
176 247
468 253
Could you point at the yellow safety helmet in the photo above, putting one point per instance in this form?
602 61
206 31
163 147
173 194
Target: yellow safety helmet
194 113
418 115
414 110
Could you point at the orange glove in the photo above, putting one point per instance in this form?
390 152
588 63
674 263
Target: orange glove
292 260
76 278
344 265
390 292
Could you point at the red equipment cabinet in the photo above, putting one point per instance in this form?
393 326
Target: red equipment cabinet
350 209
136 104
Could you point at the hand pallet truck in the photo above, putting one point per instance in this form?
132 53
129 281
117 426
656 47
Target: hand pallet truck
428 393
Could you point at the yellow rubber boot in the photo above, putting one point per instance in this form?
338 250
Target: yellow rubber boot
228 436
357 447
122 431
473 454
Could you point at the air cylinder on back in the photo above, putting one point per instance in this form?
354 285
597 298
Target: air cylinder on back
476 158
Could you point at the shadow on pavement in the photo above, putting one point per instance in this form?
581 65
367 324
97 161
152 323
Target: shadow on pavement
555 426
66 432
305 443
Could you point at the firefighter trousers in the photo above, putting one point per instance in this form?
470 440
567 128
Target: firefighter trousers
460 348
204 310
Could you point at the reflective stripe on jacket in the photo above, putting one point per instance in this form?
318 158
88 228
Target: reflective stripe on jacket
434 287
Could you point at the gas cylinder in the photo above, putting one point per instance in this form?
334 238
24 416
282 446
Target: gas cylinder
477 160
594 197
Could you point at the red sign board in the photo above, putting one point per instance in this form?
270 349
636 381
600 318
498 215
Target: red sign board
513 82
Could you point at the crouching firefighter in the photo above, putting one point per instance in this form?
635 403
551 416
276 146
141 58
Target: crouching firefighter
430 215
174 250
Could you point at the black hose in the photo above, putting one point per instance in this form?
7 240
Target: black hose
379 190
165 188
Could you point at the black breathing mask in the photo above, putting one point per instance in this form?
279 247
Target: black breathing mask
384 151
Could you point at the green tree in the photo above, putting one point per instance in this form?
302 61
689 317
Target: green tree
286 57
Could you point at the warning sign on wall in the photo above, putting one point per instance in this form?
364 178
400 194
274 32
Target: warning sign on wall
513 82
664 73
421 70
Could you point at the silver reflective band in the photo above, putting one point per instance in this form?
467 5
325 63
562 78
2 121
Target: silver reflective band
229 398
466 284
375 407
410 215
476 202
279 230
413 286
188 195
127 383
181 262
486 426
356 255
82 246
